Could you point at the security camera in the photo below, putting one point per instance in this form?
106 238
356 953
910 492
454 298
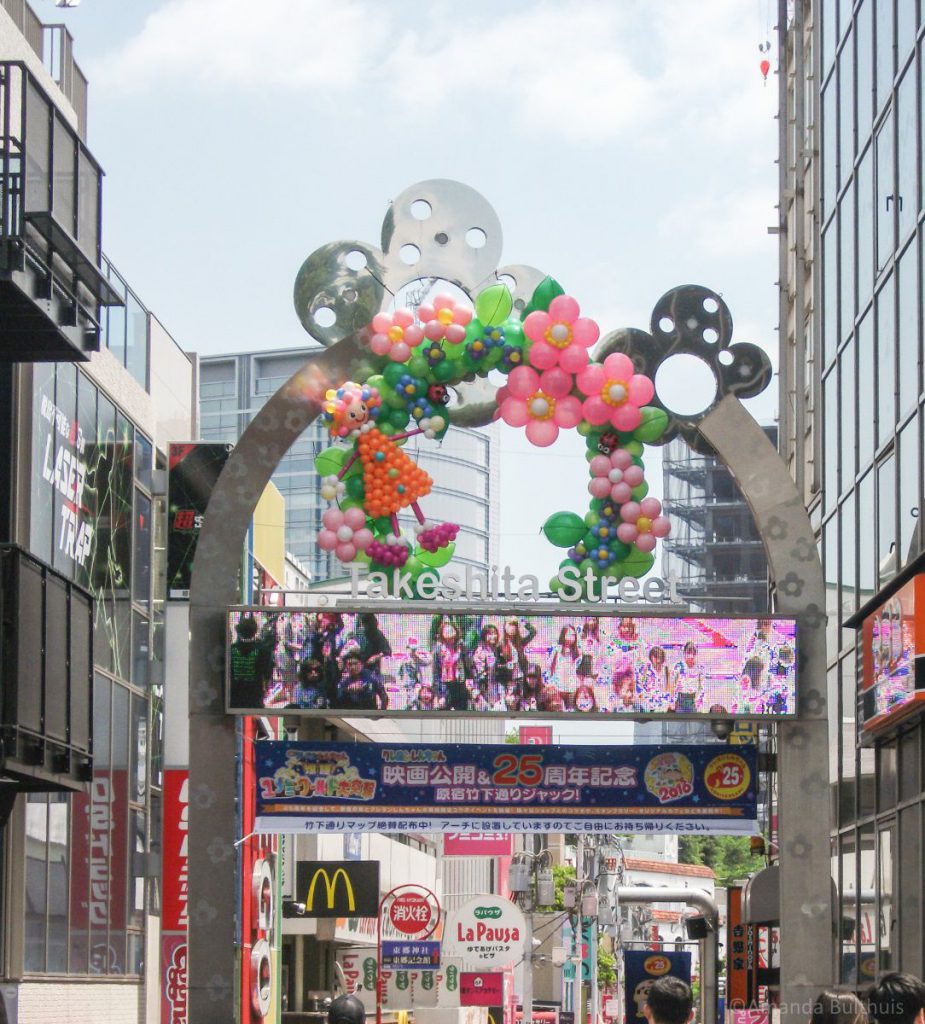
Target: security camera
721 728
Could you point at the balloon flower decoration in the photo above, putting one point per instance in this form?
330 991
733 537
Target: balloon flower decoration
553 383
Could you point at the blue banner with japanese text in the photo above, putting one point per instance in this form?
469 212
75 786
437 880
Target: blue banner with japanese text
642 968
338 787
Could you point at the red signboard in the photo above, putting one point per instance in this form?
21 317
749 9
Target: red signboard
481 988
478 844
410 913
175 862
540 734
173 975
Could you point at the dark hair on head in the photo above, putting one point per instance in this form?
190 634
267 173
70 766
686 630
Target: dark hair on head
754 669
670 1000
346 1009
896 999
659 652
488 628
246 627
831 1007
689 648
353 652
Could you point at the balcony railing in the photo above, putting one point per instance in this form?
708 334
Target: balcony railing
51 278
46 675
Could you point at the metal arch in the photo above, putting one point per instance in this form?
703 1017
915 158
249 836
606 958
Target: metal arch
806 912
726 426
212 980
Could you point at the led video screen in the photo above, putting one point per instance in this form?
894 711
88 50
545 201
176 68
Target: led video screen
489 660
893 679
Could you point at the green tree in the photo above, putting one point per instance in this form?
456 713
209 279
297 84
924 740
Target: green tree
730 857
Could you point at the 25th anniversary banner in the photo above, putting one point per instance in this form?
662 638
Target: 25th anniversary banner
330 787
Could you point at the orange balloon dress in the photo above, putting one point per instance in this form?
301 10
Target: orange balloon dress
392 480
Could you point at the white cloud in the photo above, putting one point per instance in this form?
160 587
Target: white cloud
569 71
254 46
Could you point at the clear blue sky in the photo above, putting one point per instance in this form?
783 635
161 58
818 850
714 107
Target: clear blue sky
628 147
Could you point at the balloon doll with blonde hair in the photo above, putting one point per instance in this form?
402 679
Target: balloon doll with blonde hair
392 480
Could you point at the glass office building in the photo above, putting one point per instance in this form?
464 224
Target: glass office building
852 162
464 466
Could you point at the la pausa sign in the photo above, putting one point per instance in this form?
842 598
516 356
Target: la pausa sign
571 585
487 931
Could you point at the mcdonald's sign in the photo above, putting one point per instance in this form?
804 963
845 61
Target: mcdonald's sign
338 888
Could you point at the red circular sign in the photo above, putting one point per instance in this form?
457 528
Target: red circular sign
411 913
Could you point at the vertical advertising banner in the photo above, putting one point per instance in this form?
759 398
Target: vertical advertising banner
193 473
643 968
174 896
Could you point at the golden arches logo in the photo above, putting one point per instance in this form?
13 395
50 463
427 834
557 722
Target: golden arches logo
330 885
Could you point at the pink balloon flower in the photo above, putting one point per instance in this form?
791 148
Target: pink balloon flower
642 523
344 532
615 393
444 317
614 476
395 334
560 337
541 402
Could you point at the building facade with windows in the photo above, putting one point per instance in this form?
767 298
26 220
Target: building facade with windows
852 164
91 389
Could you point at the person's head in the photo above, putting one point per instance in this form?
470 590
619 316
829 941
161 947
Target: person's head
785 655
246 628
353 662
657 658
591 628
368 621
346 1010
330 620
831 1007
897 999
310 671
568 637
763 629
449 634
533 676
669 1001
584 699
512 630
489 635
752 671
549 699
689 653
627 629
426 696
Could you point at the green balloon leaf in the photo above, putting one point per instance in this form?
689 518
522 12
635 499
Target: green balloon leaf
545 292
563 529
435 559
638 563
494 304
330 461
653 425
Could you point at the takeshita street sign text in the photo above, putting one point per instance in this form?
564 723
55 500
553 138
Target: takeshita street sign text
500 583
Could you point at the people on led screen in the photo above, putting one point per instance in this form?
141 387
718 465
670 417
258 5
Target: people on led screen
562 665
687 680
450 668
488 669
360 688
251 660
517 634
653 682
539 663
